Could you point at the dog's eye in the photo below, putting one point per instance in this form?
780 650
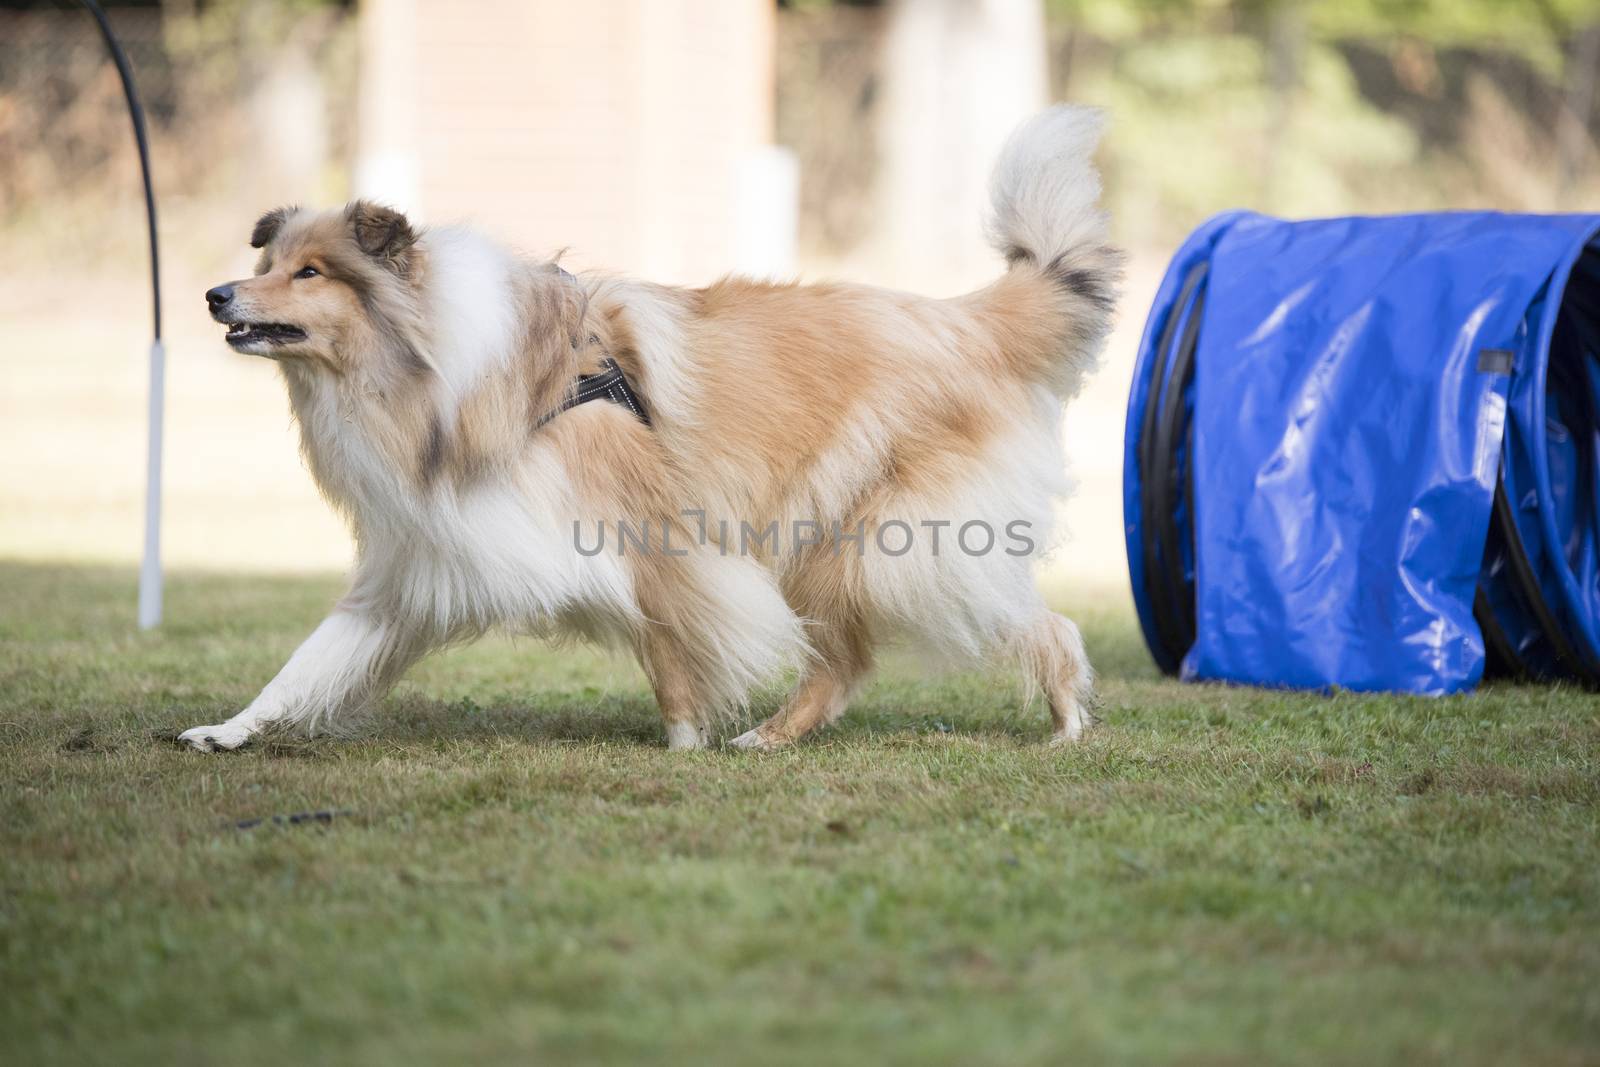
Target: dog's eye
306 272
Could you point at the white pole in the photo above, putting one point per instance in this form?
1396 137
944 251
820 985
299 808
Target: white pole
150 570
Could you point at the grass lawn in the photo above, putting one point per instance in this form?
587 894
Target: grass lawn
518 870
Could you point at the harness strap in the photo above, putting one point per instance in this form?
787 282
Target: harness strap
609 384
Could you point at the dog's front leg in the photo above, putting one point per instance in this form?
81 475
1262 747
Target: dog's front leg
682 705
352 657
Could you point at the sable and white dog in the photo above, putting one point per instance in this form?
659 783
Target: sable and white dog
423 368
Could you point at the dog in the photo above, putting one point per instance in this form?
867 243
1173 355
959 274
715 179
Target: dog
775 479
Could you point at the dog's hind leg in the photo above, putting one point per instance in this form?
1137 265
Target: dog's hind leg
843 657
715 628
1053 654
823 587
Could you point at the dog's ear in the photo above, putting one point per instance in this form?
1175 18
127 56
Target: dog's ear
268 225
383 233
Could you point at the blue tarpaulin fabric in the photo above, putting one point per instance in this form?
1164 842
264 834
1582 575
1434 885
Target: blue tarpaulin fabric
1344 425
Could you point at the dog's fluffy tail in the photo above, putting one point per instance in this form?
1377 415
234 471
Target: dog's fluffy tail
1046 217
1045 190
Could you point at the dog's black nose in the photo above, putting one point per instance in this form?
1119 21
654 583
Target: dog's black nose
219 297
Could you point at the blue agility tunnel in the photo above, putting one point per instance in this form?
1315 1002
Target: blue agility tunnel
1365 452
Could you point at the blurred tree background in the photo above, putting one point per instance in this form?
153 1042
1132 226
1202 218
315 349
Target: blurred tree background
1290 106
1299 107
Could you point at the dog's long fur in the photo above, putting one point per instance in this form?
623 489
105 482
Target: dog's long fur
419 363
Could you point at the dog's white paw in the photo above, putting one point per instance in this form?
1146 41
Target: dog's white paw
752 739
219 738
1072 732
682 736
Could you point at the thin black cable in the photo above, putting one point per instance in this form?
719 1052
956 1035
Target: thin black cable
1526 583
1500 656
1163 590
136 112
1173 433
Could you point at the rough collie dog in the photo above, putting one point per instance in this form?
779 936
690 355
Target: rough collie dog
774 476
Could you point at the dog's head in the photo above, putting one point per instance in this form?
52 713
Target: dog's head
327 285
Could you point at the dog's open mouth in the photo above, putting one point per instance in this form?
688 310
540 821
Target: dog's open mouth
276 333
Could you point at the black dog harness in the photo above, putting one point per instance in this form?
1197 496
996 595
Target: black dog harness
609 384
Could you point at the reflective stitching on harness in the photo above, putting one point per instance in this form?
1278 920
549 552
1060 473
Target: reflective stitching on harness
620 393
611 383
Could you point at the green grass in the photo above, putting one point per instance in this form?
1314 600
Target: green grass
519 871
